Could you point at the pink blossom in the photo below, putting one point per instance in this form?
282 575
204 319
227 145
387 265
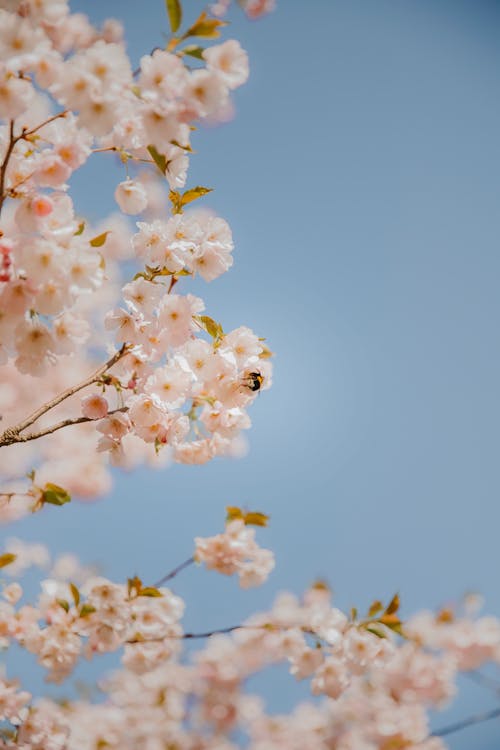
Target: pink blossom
131 197
94 406
229 61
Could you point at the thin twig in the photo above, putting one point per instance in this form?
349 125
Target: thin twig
174 572
12 434
26 133
470 721
5 163
192 636
13 141
218 631
60 425
481 679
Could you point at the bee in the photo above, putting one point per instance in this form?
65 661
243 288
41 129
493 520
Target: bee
253 381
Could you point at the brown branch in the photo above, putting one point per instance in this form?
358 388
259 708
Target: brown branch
25 133
174 572
13 141
12 434
481 679
60 425
191 636
470 721
5 163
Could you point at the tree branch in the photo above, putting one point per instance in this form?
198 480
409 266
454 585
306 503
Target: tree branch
192 636
174 572
13 141
12 434
481 679
60 425
5 163
470 721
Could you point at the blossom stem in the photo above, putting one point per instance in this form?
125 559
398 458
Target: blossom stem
470 721
60 425
174 572
13 141
218 631
12 434
193 636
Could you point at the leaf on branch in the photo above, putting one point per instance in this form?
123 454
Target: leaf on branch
160 160
375 608
393 605
209 325
379 632
445 615
150 591
86 610
195 193
254 518
320 585
184 148
7 558
174 10
179 201
134 585
205 27
64 604
266 353
81 227
194 51
249 518
55 495
99 240
389 620
75 594
233 513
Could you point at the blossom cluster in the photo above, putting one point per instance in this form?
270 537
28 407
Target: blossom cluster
68 92
174 385
372 679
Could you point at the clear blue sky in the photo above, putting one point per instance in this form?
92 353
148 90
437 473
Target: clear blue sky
361 180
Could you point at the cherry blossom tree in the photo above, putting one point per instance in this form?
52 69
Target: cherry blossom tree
100 368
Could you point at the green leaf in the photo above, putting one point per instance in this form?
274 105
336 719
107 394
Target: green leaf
210 326
55 495
179 201
64 604
393 605
99 240
233 513
176 201
375 608
81 227
7 558
134 585
174 10
379 632
194 51
184 148
150 591
254 518
205 27
391 620
195 193
86 610
159 159
75 594
249 518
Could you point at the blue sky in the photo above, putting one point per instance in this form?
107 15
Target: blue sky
360 178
